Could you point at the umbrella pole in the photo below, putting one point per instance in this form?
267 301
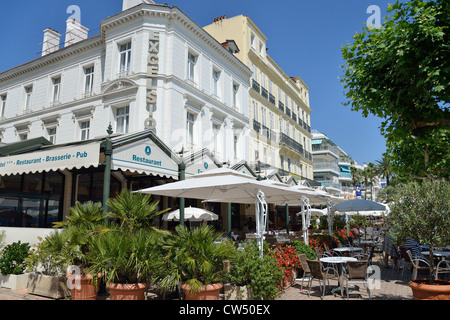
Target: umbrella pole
182 176
229 219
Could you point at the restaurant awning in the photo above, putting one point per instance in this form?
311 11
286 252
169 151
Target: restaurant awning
143 152
200 161
52 159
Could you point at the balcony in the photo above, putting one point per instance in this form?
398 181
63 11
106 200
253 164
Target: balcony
291 143
288 112
264 93
271 98
256 126
256 86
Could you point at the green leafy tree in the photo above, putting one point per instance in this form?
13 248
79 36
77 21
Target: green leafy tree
421 211
401 73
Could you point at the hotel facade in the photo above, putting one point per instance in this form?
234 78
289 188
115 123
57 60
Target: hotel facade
124 109
279 111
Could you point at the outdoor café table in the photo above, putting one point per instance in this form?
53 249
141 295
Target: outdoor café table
338 261
347 249
439 254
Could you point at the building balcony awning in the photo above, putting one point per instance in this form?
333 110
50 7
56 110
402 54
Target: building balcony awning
344 168
52 159
316 141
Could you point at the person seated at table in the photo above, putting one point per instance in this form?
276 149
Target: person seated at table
390 250
414 246
355 231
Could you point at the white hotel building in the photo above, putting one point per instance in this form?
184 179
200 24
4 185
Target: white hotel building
162 82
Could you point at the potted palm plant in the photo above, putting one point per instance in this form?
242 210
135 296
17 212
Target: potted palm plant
86 222
420 210
47 268
194 260
124 254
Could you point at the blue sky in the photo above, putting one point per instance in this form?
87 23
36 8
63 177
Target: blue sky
304 38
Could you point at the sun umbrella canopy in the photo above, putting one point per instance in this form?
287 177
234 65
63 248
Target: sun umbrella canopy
359 205
191 214
224 185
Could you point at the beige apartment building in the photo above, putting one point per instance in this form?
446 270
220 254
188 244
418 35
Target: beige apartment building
279 111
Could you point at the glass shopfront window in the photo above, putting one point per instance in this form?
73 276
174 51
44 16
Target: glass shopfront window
90 187
31 200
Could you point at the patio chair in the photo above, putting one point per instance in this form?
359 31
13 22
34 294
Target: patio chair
361 256
404 258
305 266
442 267
321 254
418 264
356 272
321 274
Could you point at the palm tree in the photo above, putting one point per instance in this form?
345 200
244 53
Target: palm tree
369 175
384 168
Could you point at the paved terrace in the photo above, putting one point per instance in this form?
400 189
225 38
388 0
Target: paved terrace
393 286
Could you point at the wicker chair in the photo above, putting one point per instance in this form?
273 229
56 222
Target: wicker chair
404 258
356 272
305 266
321 274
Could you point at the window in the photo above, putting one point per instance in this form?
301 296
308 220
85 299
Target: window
261 49
2 105
122 119
216 129
190 129
28 96
216 78
89 80
263 115
51 133
192 60
84 129
235 95
255 111
253 41
235 143
254 73
56 89
125 57
23 136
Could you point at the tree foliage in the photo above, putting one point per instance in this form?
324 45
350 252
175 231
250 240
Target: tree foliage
401 73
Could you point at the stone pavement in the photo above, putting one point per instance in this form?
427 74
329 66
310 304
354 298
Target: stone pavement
393 286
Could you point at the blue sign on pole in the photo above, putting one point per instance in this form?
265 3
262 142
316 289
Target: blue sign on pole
358 191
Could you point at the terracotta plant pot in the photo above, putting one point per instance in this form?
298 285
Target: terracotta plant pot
440 290
85 290
131 291
208 292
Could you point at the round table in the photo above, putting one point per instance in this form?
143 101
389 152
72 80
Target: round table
347 249
338 261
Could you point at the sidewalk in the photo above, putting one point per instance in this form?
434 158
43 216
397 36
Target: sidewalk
393 286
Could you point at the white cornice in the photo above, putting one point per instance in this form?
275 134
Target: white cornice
56 56
174 14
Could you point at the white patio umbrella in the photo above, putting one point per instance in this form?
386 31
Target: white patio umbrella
226 185
359 207
191 214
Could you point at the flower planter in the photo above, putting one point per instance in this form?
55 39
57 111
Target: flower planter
13 281
234 292
48 286
440 290
208 292
132 291
85 290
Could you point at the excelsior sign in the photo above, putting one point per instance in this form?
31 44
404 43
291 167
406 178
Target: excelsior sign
76 156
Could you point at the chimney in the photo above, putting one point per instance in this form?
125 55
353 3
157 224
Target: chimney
51 41
75 32
127 4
